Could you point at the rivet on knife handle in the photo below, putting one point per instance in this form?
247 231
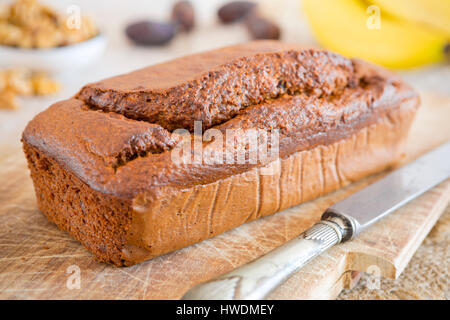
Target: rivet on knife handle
258 278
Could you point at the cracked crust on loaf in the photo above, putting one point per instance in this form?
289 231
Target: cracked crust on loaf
101 161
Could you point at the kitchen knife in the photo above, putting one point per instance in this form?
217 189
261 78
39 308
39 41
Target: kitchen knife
339 223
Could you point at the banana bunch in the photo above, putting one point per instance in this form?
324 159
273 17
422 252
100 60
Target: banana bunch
398 34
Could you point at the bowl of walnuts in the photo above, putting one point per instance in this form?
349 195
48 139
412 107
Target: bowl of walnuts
37 37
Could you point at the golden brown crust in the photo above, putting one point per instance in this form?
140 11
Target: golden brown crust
125 157
194 214
124 233
348 119
213 86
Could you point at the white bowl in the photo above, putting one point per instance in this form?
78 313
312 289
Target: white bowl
55 60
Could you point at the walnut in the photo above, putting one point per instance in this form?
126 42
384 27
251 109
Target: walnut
29 24
8 100
43 85
23 82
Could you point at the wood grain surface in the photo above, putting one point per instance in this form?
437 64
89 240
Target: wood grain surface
38 261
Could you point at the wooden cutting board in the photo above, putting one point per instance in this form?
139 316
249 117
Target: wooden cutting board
38 261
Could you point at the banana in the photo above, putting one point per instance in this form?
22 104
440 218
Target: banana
435 13
356 29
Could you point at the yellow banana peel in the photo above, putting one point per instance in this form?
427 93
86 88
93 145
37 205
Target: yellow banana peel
357 29
433 13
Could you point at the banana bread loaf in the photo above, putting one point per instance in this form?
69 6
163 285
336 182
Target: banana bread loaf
141 164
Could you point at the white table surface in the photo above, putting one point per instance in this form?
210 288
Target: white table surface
121 56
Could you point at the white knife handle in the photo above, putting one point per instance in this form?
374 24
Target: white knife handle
258 278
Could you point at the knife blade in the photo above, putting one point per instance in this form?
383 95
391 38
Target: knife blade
339 223
370 204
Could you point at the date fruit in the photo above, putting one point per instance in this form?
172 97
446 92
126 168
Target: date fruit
260 28
149 33
183 15
235 11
